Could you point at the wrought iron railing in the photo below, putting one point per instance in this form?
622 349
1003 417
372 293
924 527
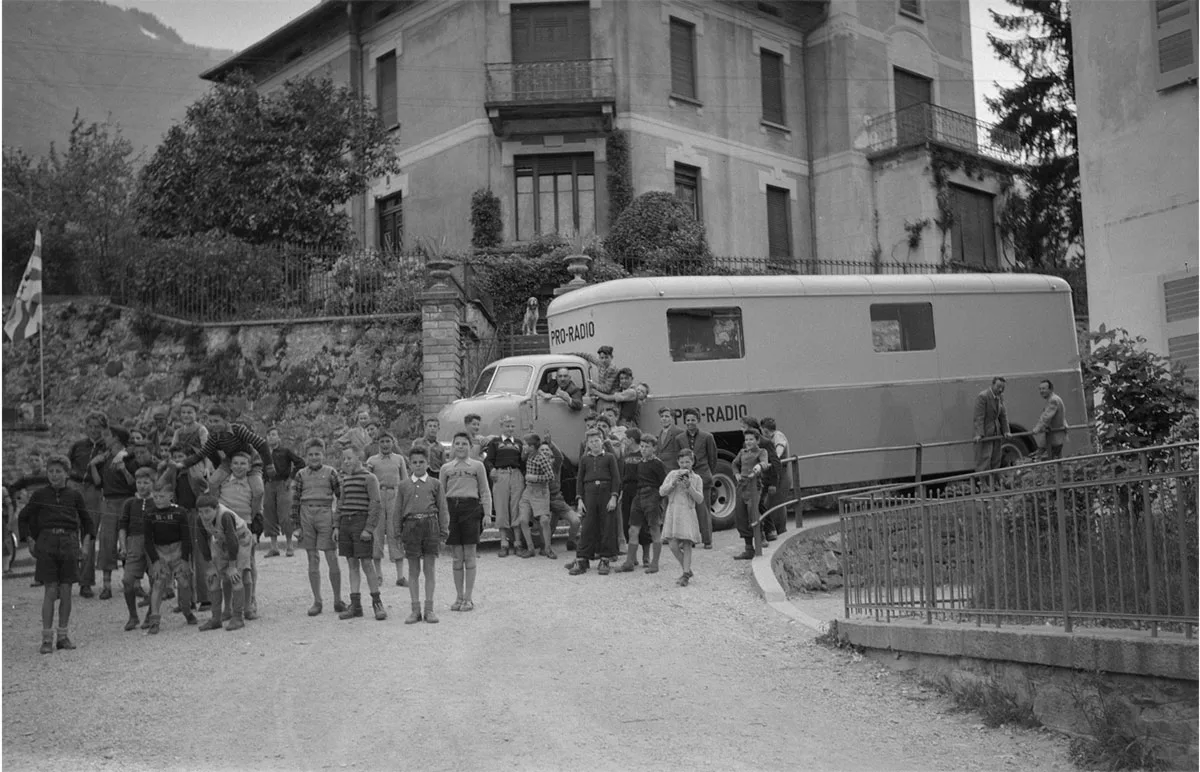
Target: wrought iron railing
1103 540
919 124
531 83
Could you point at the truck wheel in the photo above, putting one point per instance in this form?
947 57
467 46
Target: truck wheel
1013 451
723 498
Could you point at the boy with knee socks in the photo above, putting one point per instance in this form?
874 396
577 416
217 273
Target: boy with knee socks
168 548
131 530
357 517
421 522
228 549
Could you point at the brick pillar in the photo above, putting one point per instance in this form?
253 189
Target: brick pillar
441 343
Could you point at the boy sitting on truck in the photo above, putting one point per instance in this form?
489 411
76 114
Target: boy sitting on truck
749 466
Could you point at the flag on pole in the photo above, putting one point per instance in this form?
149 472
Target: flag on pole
25 318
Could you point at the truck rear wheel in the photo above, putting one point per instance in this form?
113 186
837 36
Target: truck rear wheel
723 498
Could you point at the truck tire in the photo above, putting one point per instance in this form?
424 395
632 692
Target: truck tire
1015 449
723 497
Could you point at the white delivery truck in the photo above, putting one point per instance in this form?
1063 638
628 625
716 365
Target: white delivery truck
840 362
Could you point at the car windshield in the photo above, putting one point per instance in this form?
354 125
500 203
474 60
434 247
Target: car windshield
509 379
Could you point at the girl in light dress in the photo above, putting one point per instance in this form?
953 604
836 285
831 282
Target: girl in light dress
684 490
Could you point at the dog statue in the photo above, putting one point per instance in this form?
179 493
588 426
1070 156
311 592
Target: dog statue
529 325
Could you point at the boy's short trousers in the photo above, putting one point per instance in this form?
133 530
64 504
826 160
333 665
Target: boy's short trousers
350 543
535 503
316 527
58 555
135 561
170 563
559 506
244 561
647 510
466 515
420 535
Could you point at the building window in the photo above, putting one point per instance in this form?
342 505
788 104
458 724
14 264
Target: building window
385 89
902 327
683 58
701 334
772 86
555 194
973 230
687 189
1175 41
911 8
391 222
779 223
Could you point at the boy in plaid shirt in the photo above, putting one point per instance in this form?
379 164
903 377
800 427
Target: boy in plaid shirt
535 499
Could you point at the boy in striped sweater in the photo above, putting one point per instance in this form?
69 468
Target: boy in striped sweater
358 514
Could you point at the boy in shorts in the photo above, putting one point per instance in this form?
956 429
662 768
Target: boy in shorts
465 497
535 498
131 530
358 515
559 509
389 467
169 550
646 511
228 549
422 521
316 486
54 518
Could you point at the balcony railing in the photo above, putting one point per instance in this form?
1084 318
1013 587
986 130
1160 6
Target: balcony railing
541 83
924 123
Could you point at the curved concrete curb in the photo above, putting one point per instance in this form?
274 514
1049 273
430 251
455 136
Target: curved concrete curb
770 588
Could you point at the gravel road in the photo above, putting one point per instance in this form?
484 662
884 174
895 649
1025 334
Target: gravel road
624 672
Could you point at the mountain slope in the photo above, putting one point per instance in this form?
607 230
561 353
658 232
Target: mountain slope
99 59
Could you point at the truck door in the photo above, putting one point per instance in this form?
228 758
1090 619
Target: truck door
555 417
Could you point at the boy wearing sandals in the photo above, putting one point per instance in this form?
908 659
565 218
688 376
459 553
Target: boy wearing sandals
168 548
646 511
465 497
422 522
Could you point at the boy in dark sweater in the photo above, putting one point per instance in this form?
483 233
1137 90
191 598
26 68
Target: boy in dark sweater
750 466
168 547
185 497
646 513
599 486
131 535
55 518
358 516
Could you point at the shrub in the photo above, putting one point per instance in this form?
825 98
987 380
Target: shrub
620 175
487 227
658 234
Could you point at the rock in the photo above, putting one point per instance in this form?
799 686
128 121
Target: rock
810 581
114 368
832 564
834 582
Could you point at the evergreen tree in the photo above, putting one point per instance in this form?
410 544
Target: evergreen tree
1047 218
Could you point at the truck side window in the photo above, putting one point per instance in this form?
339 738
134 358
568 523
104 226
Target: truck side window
902 327
549 381
699 334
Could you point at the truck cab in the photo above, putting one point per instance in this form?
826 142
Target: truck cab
509 387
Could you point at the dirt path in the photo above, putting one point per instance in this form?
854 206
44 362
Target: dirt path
550 671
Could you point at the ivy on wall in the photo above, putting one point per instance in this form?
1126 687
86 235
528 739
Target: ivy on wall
943 163
620 174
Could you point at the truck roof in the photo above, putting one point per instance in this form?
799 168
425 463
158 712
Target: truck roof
537 360
697 287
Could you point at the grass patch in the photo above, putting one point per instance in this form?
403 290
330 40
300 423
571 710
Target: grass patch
994 704
1111 745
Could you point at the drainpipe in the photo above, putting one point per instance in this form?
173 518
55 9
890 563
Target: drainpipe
353 17
808 140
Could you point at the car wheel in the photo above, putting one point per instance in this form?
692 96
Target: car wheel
722 499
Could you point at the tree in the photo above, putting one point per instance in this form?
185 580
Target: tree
277 167
80 198
1046 218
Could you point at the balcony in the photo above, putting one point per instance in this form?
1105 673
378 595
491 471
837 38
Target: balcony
550 97
929 124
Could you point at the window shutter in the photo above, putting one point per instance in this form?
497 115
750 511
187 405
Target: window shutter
1175 41
779 226
687 188
385 89
1181 298
772 86
683 59
911 7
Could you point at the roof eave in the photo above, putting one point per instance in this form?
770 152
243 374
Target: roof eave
287 30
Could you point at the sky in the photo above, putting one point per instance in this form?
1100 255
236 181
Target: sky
236 24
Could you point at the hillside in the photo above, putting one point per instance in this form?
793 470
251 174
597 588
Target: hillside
101 59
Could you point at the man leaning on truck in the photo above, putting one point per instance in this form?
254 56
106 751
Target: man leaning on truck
704 446
991 425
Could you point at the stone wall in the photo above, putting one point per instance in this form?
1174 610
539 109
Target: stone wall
811 561
307 378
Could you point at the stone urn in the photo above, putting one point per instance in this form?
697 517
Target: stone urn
577 266
439 271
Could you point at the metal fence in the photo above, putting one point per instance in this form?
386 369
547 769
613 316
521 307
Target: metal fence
925 122
1104 540
258 283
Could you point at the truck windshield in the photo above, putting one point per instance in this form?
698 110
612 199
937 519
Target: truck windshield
507 379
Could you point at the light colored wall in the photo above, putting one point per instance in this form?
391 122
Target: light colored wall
1138 168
